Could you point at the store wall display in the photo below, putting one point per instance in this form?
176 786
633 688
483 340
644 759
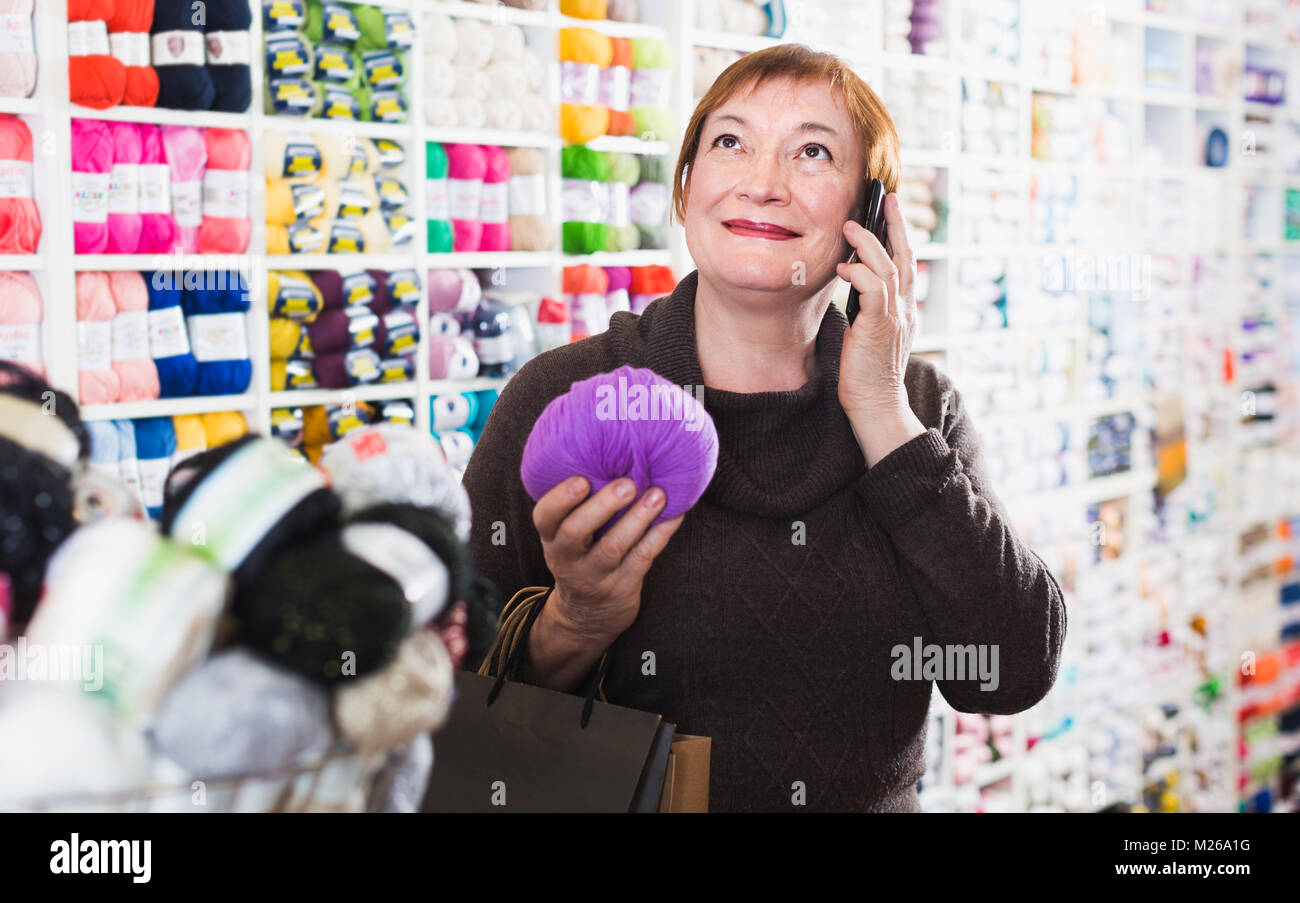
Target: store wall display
20 219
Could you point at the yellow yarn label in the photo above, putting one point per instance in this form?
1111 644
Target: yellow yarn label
291 90
339 105
396 371
285 60
345 239
403 344
358 288
389 107
392 193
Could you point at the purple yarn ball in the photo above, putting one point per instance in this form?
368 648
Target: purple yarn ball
630 422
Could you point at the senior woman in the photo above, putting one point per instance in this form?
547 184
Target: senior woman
850 515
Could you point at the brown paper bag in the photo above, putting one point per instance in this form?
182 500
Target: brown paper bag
686 783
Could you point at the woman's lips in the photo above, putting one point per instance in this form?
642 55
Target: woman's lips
749 229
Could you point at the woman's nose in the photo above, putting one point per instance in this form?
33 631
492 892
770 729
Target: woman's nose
764 180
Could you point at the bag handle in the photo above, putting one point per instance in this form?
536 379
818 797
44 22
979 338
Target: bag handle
517 619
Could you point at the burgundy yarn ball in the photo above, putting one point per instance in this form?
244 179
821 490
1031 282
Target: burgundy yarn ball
629 422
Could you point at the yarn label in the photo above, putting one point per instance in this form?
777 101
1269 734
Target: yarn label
285 14
295 299
396 370
464 197
362 365
352 202
287 56
618 209
387 106
423 577
153 478
615 88
124 189
94 345
341 105
362 326
15 179
218 337
89 39
383 68
334 64
436 200
527 195
20 342
229 48
579 83
345 238
304 238
292 96
651 88
90 197
308 201
492 202
401 227
187 204
155 188
131 48
401 334
167 336
178 48
404 287
495 349
16 33
392 193
338 24
584 201
225 193
299 375
131 336
358 288
301 157
390 152
399 30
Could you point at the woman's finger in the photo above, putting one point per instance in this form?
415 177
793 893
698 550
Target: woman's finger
610 550
553 507
873 291
903 255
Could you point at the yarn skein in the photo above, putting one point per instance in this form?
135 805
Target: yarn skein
530 226
187 160
441 237
493 212
609 426
124 189
96 381
18 63
128 39
218 333
466 167
169 343
159 232
92 167
96 79
21 313
229 54
226 227
177 45
20 218
134 367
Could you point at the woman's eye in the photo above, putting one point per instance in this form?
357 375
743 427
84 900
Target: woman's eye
723 138
818 152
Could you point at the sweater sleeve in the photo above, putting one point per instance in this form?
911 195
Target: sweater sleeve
975 580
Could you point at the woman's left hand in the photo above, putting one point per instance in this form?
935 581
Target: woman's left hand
874 358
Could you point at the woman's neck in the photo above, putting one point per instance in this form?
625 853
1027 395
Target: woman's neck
745 347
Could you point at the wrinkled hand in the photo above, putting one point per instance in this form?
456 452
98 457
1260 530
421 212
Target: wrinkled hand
873 360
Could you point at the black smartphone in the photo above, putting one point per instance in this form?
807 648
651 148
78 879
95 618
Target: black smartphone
874 219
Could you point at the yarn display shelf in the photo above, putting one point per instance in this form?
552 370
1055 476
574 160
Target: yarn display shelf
643 258
162 116
473 384
499 137
374 392
616 29
491 12
918 62
727 41
628 144
1097 489
168 407
489 260
22 262
341 262
20 106
145 263
317 786
310 124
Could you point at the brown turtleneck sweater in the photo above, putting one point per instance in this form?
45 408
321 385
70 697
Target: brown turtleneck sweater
777 649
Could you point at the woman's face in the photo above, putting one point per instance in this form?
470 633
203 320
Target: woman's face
778 171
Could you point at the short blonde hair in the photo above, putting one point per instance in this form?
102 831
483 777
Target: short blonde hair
871 121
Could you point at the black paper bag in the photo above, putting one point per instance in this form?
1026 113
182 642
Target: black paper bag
528 751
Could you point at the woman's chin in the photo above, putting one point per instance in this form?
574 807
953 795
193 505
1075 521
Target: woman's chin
769 275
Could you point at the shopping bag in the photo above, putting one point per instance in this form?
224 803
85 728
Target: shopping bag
528 750
686 779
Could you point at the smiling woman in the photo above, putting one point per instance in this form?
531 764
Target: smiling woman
849 513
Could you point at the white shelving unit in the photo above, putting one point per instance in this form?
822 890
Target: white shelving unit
49 115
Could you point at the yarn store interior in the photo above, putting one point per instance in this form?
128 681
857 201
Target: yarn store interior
267 267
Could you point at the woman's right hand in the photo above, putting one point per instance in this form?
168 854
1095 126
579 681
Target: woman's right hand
597 582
